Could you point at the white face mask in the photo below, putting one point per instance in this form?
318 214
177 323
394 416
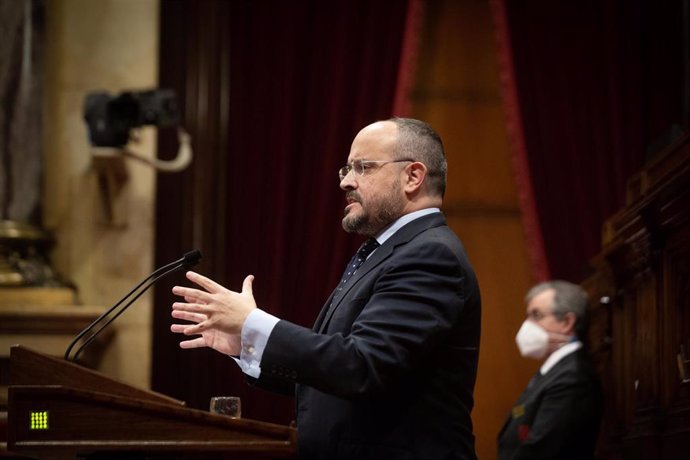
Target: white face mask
532 340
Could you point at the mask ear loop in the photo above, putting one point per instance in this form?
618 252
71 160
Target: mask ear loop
567 337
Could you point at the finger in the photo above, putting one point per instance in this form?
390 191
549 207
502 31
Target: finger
189 307
185 292
195 329
206 283
194 343
188 316
178 328
247 285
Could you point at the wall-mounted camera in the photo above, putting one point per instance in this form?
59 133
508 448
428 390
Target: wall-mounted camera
110 118
112 123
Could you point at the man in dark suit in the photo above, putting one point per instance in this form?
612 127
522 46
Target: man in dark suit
558 414
388 370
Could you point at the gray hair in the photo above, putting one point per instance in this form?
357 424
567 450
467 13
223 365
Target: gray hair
419 141
568 298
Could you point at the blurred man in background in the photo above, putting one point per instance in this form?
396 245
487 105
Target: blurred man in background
558 414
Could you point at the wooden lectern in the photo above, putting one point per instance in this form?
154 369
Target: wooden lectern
59 410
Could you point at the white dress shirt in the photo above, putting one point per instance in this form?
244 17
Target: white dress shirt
565 350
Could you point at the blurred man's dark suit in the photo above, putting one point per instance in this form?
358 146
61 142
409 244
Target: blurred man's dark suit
557 416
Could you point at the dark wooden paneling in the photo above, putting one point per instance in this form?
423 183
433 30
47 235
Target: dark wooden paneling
643 272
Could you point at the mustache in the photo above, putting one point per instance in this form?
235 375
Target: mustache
352 195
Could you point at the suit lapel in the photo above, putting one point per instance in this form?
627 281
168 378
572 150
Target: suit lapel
534 386
402 236
381 254
518 410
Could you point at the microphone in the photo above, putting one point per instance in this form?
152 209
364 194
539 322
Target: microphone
189 260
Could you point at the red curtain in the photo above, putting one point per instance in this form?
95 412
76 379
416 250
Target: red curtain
273 93
592 88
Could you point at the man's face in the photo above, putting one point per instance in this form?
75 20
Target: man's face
375 197
539 311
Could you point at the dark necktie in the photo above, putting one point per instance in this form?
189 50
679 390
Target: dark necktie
357 260
535 378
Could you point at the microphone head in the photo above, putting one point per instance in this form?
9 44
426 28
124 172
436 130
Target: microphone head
191 258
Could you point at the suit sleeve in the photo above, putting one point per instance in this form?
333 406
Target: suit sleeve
272 384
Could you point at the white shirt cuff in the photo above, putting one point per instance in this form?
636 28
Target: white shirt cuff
255 332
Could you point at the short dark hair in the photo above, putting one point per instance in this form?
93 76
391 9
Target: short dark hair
568 298
419 141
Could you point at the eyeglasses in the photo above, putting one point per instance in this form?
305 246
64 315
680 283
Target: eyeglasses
536 315
360 167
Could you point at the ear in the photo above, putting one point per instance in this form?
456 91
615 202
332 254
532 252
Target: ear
569 321
416 173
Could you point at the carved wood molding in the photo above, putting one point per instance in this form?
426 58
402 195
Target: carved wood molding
634 238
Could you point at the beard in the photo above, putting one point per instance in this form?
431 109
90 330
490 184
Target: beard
376 215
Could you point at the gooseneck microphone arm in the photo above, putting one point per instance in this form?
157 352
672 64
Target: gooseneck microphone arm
91 338
187 261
